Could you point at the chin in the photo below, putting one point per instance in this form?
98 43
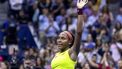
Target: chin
60 48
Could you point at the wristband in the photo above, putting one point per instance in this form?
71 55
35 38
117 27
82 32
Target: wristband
80 11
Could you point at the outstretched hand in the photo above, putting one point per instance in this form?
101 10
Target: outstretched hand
81 3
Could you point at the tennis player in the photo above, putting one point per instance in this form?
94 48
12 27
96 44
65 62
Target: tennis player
69 45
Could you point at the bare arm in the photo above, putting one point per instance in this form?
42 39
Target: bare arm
73 52
93 64
76 46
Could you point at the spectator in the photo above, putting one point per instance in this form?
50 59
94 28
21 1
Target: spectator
4 65
57 8
15 7
120 64
27 64
40 63
72 10
14 60
119 16
53 28
61 19
43 25
11 32
45 4
92 19
24 35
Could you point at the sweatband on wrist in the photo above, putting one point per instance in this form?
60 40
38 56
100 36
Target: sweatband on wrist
80 11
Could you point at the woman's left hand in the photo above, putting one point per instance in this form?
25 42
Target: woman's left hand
81 3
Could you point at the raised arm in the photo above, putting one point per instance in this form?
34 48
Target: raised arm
73 52
91 62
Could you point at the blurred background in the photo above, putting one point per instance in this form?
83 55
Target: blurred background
29 28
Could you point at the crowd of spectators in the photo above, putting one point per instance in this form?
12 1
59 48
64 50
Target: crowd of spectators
101 42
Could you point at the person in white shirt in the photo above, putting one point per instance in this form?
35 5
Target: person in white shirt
93 18
115 52
43 25
53 27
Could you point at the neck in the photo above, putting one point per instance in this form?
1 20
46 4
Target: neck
62 50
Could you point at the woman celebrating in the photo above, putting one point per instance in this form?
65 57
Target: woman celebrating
68 45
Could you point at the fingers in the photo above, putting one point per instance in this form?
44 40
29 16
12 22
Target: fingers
86 1
80 1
